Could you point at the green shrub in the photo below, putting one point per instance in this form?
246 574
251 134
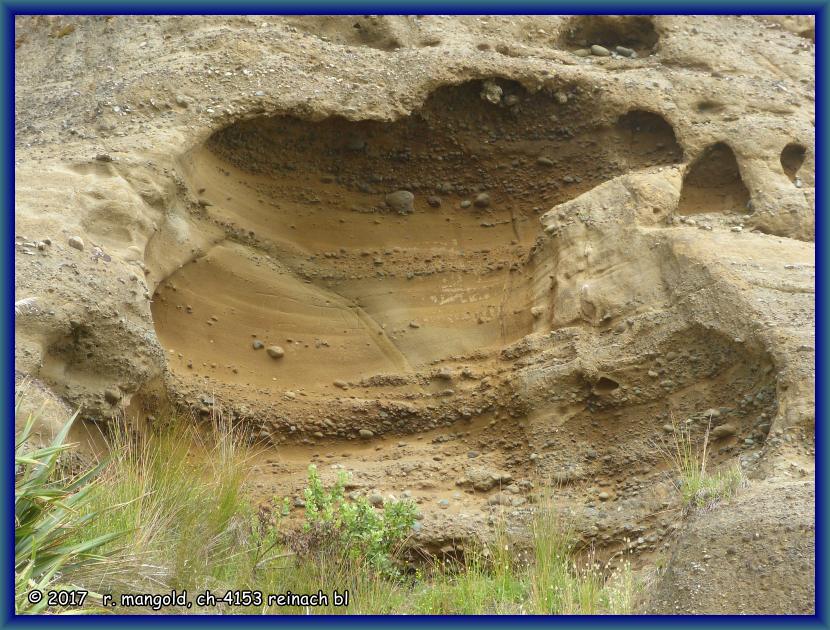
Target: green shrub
50 516
355 527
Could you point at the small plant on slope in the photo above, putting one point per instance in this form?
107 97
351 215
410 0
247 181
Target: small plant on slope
699 487
360 530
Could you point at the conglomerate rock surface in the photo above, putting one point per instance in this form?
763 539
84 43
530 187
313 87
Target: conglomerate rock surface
462 258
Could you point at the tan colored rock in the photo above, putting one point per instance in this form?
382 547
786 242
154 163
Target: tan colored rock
247 180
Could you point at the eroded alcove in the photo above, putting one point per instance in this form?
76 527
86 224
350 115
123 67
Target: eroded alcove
635 32
792 158
321 261
405 323
713 183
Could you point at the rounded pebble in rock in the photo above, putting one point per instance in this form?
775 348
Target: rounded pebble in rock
466 203
77 243
625 52
366 434
482 200
434 201
257 344
275 352
112 396
722 431
401 201
600 51
491 91
582 52
498 499
443 504
544 161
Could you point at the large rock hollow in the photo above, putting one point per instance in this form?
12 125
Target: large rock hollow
402 272
316 261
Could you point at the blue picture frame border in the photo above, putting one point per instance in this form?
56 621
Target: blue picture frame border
10 9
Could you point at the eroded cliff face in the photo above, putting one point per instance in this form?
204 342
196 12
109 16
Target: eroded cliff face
461 257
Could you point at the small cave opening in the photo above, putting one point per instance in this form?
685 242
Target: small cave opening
634 32
709 107
605 385
713 183
388 245
792 159
650 133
